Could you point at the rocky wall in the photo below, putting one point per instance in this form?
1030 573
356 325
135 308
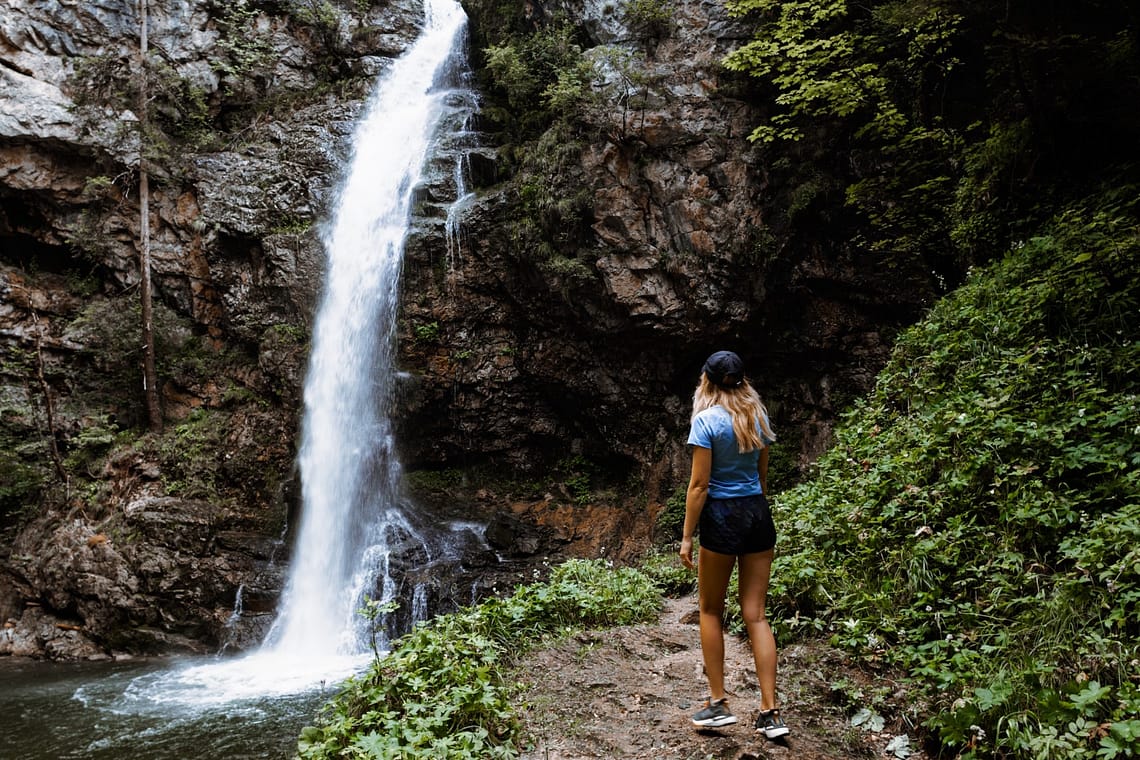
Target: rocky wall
545 387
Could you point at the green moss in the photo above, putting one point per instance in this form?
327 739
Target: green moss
292 333
190 454
292 226
89 447
434 481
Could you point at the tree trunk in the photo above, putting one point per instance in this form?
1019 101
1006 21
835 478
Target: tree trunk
49 407
150 374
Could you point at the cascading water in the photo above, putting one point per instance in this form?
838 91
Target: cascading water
352 524
351 515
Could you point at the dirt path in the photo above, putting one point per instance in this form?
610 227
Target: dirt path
628 693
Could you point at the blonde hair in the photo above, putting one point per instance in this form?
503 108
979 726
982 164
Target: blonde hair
749 417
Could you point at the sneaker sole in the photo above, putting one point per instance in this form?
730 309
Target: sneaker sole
774 733
715 722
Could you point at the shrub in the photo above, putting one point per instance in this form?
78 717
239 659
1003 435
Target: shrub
976 522
441 691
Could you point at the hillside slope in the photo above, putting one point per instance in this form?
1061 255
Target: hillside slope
977 522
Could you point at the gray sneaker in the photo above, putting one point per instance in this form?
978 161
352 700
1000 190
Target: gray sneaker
770 725
714 715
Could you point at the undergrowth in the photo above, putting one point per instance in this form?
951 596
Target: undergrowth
978 521
441 692
976 525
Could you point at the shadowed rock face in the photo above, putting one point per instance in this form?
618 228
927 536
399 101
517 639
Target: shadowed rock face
595 349
515 359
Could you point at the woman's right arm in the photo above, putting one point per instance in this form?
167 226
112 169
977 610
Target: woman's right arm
695 497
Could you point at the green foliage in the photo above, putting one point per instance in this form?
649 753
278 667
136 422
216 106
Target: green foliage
20 486
292 224
819 66
102 81
577 474
618 92
318 13
946 127
427 332
287 333
572 88
522 68
374 612
653 18
242 46
671 519
985 197
434 481
98 186
86 449
443 691
190 455
556 214
976 522
570 271
178 109
111 330
668 574
88 239
180 112
841 75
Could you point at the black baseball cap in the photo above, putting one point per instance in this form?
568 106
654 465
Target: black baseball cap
724 369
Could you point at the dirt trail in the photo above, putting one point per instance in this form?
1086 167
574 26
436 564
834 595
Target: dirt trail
628 692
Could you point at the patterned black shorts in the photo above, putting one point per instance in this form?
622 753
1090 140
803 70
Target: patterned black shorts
737 526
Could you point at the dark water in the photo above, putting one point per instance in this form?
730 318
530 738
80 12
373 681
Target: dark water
148 710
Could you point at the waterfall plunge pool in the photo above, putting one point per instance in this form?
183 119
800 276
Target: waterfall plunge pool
251 707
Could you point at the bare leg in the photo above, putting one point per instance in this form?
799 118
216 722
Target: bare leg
755 569
713 573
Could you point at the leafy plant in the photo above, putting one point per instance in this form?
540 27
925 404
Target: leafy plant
577 473
940 129
671 518
190 455
523 68
242 46
818 64
442 691
427 332
652 18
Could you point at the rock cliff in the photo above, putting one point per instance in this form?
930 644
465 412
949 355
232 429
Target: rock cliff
547 369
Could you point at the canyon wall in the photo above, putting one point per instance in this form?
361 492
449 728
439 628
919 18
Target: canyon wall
547 367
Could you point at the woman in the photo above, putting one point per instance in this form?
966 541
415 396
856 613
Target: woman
730 434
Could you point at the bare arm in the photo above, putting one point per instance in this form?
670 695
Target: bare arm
695 497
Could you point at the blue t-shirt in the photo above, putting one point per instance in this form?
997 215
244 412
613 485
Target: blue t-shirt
734 474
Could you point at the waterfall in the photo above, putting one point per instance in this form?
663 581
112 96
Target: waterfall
455 211
353 527
351 519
